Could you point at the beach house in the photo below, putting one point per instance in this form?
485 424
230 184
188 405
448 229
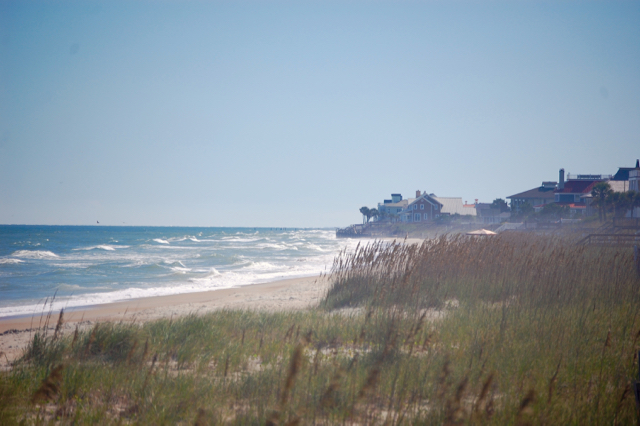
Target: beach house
390 210
425 207
536 197
572 192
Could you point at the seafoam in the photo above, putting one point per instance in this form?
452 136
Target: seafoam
84 266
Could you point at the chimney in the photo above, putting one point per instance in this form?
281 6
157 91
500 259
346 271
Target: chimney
637 164
417 193
561 180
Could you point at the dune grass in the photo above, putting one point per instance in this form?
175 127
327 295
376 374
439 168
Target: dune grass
505 330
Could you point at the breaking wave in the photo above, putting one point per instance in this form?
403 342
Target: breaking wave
35 254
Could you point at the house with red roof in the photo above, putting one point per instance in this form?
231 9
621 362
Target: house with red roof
572 191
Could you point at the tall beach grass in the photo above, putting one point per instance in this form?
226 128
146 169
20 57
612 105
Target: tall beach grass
504 330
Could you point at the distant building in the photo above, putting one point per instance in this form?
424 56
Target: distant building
634 178
389 210
453 205
624 173
423 208
489 215
572 192
631 183
536 197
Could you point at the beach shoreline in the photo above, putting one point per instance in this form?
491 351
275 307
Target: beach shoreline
285 294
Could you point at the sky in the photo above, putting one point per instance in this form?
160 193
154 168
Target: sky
296 114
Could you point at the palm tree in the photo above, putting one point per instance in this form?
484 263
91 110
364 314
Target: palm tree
374 213
601 194
622 202
365 213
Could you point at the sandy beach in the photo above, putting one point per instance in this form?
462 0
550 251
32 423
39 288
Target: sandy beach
296 293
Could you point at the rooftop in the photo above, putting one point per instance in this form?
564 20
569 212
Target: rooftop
539 192
578 186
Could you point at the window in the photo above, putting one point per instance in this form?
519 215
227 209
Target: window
421 206
425 216
416 217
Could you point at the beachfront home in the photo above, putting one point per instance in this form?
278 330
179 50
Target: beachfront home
423 208
536 197
389 210
454 205
573 191
488 214
634 178
619 184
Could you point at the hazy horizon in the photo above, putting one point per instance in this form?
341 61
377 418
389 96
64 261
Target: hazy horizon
296 114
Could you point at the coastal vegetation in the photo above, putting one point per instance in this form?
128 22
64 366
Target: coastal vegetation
513 329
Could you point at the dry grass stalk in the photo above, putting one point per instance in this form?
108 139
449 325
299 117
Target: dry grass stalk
443 384
481 404
289 333
58 329
525 408
131 351
145 352
92 338
75 338
201 418
50 386
625 392
552 382
146 379
328 400
294 368
454 412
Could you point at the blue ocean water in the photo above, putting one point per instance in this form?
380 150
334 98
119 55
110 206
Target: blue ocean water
87 265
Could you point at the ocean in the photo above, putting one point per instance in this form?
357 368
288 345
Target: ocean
90 265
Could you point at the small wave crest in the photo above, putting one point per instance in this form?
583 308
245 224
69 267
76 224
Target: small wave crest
261 266
211 274
35 254
10 261
161 241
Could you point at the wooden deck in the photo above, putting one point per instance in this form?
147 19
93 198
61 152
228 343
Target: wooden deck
611 240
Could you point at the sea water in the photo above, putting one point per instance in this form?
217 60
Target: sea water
89 265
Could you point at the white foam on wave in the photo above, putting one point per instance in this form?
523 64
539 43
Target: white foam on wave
35 254
315 247
262 266
273 246
72 265
106 247
262 259
70 287
240 240
10 261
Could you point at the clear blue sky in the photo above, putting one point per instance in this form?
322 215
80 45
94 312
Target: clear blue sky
298 113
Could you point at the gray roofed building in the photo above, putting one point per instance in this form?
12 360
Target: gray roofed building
544 194
453 205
